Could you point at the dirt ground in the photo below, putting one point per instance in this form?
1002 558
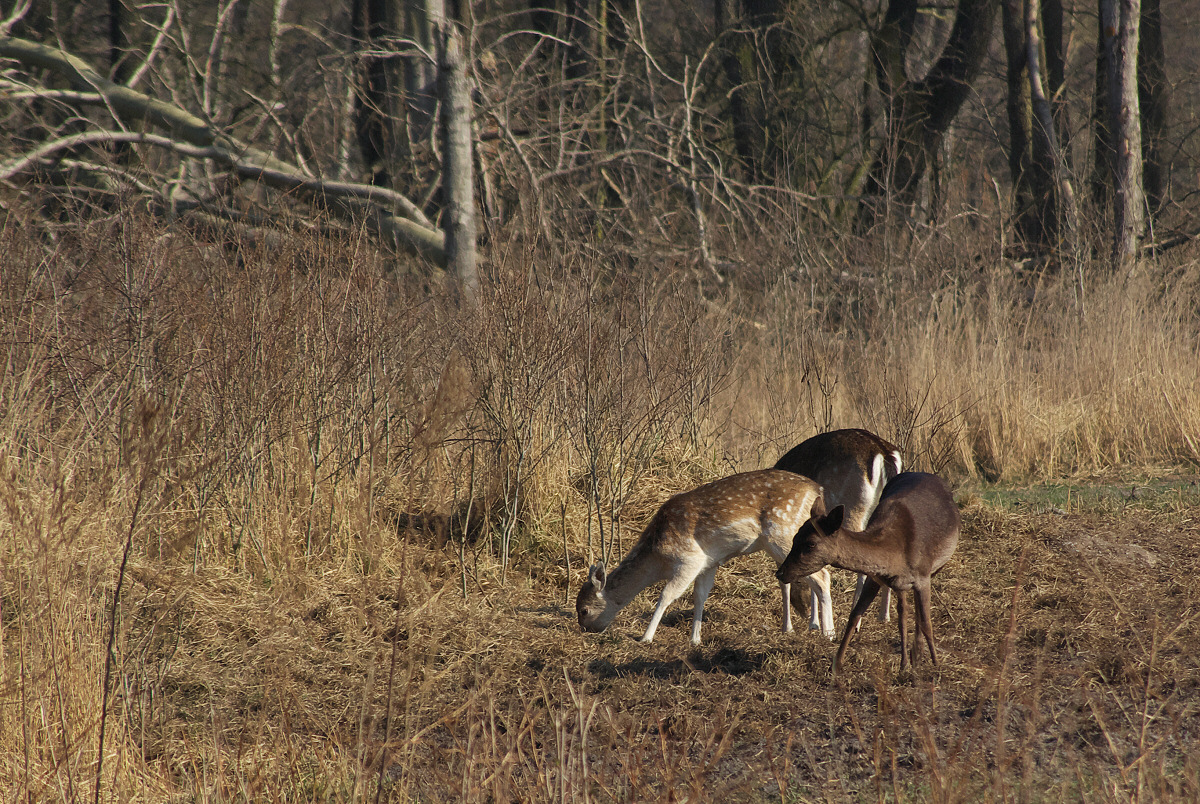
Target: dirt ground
1067 628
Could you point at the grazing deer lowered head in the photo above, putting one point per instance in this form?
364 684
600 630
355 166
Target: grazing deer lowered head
911 536
852 467
696 532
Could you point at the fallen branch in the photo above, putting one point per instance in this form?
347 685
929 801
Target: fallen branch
1155 248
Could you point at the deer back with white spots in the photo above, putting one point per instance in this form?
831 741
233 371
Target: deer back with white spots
696 532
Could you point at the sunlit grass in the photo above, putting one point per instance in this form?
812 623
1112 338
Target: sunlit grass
356 515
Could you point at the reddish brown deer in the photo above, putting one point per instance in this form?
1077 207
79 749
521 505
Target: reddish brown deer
696 532
852 467
911 536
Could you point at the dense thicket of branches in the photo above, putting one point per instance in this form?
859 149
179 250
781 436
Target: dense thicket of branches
674 129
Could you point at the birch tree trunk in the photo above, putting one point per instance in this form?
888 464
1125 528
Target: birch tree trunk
458 181
1129 199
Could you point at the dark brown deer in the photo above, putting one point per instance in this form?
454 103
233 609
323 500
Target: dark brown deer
911 535
852 466
696 532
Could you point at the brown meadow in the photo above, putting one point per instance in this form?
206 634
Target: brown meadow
278 525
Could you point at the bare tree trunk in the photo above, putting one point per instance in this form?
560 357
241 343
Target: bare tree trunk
1130 201
118 43
1056 67
1104 164
119 63
889 48
374 115
1029 207
578 40
458 180
923 110
1153 99
764 76
420 71
1045 137
739 104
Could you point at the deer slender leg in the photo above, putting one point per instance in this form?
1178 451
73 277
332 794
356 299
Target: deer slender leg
870 589
902 624
921 598
885 599
821 615
704 585
674 587
786 588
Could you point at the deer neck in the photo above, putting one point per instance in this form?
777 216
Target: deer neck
872 552
638 570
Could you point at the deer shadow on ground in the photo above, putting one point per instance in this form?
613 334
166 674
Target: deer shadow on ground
724 660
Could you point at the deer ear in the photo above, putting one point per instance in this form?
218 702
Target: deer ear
833 520
597 576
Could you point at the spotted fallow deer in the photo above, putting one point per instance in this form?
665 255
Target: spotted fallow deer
696 532
852 466
911 536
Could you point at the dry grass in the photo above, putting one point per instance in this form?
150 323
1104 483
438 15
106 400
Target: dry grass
276 526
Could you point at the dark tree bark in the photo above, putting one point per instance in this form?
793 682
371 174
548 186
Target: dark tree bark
542 17
1153 99
1104 162
118 43
1054 46
1056 64
889 48
374 113
419 74
1037 152
572 22
119 63
578 36
765 78
922 111
1034 208
1045 140
739 99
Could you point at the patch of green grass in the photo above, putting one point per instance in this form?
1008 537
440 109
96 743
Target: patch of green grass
1102 495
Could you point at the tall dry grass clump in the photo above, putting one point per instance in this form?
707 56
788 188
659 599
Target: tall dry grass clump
277 523
985 373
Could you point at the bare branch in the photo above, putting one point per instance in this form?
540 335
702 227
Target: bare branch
122 100
19 11
155 48
193 138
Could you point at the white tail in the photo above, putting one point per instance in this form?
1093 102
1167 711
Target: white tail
852 466
694 533
911 536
